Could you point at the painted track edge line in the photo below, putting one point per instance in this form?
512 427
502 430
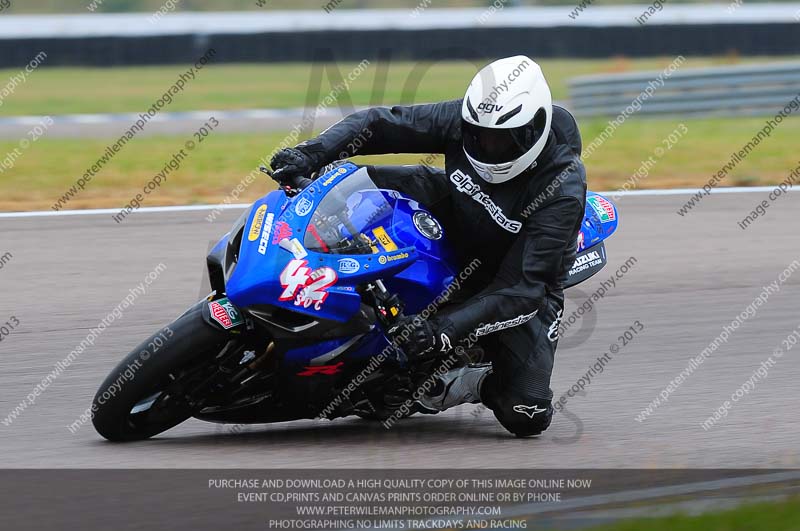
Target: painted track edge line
655 492
192 208
637 495
99 211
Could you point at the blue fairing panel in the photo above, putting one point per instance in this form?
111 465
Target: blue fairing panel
599 222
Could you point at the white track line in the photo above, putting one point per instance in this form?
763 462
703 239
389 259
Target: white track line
166 117
193 208
652 493
98 211
638 495
687 191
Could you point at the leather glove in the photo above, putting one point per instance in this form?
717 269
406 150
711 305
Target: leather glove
289 165
424 337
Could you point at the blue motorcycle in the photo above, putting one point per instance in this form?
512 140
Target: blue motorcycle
306 288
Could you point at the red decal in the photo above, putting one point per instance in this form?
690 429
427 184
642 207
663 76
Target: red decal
327 370
316 291
313 230
220 315
603 207
311 285
282 230
293 277
608 208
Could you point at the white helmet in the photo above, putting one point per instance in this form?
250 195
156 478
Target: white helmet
506 116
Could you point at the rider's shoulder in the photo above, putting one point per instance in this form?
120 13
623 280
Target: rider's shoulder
566 129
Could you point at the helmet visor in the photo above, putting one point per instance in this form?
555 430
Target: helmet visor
500 146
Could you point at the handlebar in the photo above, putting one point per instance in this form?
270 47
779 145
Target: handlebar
296 184
302 182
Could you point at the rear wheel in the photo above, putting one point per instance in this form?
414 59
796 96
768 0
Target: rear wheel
152 389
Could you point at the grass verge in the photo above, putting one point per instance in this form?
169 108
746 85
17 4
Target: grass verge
242 86
780 516
49 167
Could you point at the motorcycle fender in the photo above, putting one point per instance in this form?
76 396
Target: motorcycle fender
587 264
221 313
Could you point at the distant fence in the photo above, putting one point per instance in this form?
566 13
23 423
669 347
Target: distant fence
740 90
420 45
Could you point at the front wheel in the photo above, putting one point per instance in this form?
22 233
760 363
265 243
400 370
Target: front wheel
150 391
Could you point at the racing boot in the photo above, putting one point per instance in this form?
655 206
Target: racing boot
455 387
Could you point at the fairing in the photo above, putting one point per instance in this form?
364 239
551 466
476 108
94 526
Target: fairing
309 255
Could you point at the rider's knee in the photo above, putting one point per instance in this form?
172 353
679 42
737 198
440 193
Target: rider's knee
518 405
525 418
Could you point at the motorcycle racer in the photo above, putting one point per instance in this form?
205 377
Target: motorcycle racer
512 194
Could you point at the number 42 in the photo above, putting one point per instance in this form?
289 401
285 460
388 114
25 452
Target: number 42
304 285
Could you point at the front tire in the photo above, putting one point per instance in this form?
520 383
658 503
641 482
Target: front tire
143 396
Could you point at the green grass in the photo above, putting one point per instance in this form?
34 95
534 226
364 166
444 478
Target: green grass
50 166
239 86
781 516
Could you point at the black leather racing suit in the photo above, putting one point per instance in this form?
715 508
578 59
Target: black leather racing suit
523 231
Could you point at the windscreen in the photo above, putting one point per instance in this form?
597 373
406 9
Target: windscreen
351 217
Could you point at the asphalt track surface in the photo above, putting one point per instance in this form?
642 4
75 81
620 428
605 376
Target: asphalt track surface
693 275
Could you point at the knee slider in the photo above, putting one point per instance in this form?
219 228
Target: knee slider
525 420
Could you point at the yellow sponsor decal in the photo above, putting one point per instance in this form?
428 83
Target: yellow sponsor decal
384 239
382 259
329 180
258 222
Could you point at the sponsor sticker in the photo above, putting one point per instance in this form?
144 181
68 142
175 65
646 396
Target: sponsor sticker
603 208
384 239
303 206
282 230
349 265
327 370
225 313
262 245
293 246
585 261
581 241
258 221
329 180
384 258
308 288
